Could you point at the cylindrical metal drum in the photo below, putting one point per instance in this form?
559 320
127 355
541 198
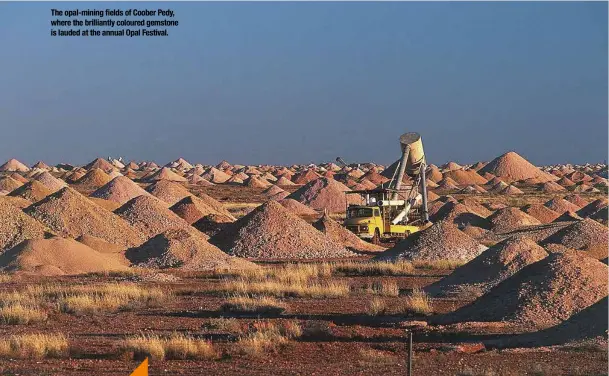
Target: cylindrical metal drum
416 155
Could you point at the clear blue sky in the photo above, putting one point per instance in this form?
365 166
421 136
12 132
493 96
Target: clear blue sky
300 82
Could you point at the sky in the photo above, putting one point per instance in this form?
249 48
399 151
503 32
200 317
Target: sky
296 82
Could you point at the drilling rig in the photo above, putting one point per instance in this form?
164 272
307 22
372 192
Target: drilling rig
396 210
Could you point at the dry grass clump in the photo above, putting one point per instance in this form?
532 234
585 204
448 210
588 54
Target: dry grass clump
4 278
21 314
35 346
290 273
252 304
377 268
304 289
417 302
177 346
438 264
372 356
267 337
224 324
384 288
376 307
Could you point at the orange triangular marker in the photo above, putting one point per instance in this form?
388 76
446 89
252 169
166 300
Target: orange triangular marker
141 370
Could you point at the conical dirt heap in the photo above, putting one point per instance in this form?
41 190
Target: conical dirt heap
585 235
150 216
14 165
120 189
494 265
460 215
70 214
542 294
33 191
325 193
15 226
540 212
215 176
52 183
442 241
93 179
465 177
593 207
510 218
296 207
101 164
56 256
271 232
512 167
165 174
192 208
179 248
168 191
9 184
305 177
560 205
341 235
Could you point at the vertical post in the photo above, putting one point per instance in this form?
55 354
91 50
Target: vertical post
424 193
409 370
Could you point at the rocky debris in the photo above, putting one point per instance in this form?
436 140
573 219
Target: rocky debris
492 266
165 173
551 187
150 216
510 190
192 208
93 179
341 235
296 207
215 176
168 191
179 248
100 245
257 182
576 199
325 193
509 219
442 241
71 214
16 226
272 232
586 235
512 167
305 177
283 181
565 182
56 256
120 189
459 214
52 183
102 164
464 177
541 294
9 184
540 212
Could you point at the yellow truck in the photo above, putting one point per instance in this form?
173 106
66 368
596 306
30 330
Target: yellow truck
395 211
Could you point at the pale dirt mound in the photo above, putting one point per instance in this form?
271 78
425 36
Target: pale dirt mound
341 235
165 174
305 177
215 176
49 181
256 182
9 184
446 186
95 178
73 176
431 196
585 235
366 184
272 232
106 204
71 214
540 212
565 182
551 187
460 215
272 190
18 202
465 177
476 207
16 227
510 190
494 265
57 256
584 188
451 166
18 177
41 165
432 173
234 180
589 326
150 216
568 217
14 165
283 181
577 200
101 164
591 208
100 245
183 249
192 208
542 294
325 193
212 224
560 205
279 196
120 189
510 218
512 167
197 180
375 177
442 241
296 207
217 205
430 183
168 191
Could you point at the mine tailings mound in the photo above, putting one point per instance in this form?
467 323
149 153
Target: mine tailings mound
325 193
71 214
57 256
16 226
341 235
120 189
271 231
179 248
494 265
512 167
442 241
540 295
586 235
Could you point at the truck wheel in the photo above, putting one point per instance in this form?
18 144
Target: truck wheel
376 239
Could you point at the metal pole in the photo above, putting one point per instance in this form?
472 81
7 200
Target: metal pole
409 353
424 192
398 182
